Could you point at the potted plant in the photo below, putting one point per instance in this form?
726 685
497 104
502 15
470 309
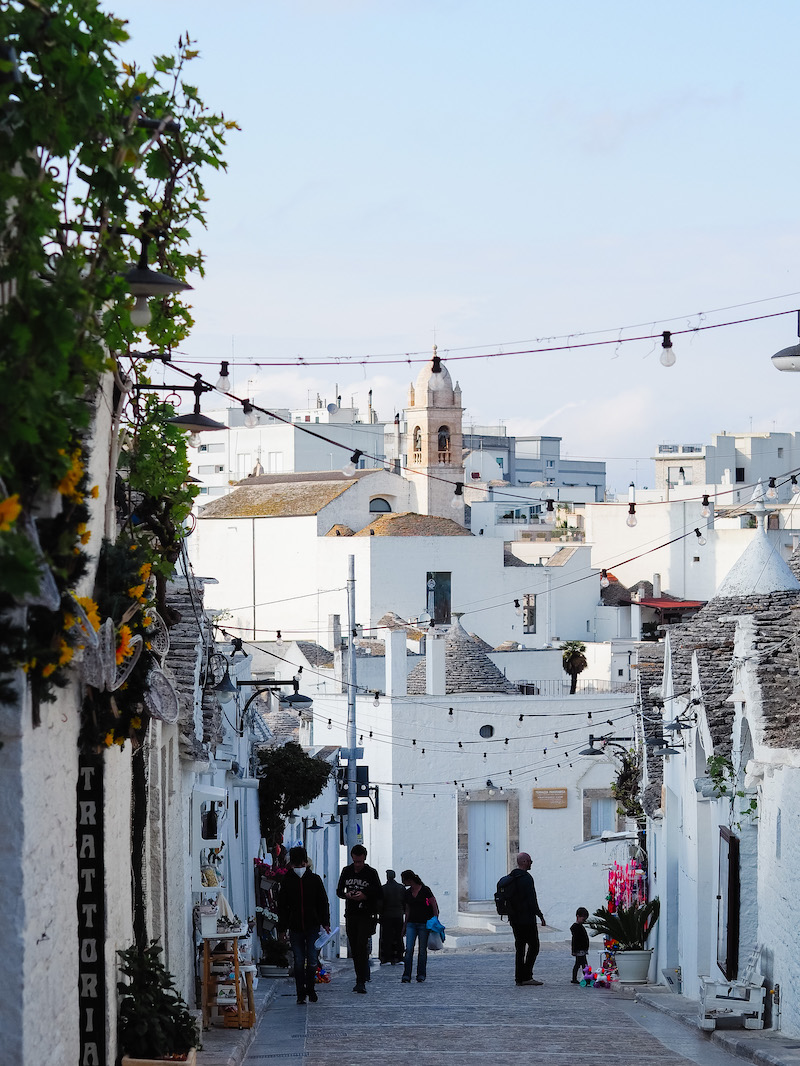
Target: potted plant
630 928
155 1023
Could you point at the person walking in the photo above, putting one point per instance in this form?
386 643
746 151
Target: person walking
303 908
523 910
360 887
419 907
390 943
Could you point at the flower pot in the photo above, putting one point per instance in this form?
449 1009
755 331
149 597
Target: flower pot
191 1060
632 966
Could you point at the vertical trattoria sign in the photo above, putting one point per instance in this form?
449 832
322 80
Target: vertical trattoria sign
91 912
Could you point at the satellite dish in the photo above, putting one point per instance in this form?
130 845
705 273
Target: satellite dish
332 408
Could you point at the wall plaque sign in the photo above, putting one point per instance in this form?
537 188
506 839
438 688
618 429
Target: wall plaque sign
91 912
550 798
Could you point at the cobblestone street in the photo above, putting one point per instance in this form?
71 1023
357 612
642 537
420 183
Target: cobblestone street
470 1011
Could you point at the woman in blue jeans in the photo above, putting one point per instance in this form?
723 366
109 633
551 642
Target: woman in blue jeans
420 906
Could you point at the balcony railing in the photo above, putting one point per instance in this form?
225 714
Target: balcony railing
555 689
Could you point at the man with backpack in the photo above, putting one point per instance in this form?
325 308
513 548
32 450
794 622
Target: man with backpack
516 897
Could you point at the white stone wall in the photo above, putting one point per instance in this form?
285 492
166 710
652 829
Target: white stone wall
417 827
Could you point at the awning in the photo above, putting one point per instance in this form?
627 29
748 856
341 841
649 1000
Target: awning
672 605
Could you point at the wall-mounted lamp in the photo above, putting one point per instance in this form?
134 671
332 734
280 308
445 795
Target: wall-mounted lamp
143 282
606 742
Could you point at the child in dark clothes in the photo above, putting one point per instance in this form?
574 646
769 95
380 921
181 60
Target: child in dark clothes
580 943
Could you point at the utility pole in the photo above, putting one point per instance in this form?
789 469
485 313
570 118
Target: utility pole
351 753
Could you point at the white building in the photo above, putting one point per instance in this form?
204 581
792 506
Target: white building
468 771
723 810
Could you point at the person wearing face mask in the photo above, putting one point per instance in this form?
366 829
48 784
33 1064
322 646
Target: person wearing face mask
303 908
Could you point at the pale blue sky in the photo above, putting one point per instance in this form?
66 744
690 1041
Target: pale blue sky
502 171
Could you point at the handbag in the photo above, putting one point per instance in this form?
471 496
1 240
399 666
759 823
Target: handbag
436 934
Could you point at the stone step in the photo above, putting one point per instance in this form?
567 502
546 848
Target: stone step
490 930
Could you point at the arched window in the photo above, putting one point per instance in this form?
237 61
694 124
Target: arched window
379 505
443 444
417 445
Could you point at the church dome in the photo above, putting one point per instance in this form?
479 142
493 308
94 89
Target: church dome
434 386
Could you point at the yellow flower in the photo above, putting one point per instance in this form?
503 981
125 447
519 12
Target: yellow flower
95 492
68 486
136 722
109 739
144 571
9 512
69 622
147 620
92 611
136 592
124 648
120 741
48 670
84 534
66 653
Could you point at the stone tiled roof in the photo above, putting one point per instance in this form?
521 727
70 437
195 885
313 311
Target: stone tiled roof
308 475
409 524
651 675
510 559
183 665
466 668
281 500
339 530
484 645
315 654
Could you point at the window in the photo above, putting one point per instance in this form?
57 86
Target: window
438 597
780 453
274 462
443 444
417 445
529 613
739 473
599 813
208 469
487 731
773 521
379 505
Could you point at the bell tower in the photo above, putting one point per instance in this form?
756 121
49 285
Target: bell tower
434 441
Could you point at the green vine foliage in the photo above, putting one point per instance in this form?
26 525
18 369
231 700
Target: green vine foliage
723 777
290 779
626 788
94 155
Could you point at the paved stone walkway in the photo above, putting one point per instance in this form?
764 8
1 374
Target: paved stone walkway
470 1011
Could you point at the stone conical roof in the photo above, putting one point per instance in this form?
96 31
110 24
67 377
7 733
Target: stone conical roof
467 668
758 571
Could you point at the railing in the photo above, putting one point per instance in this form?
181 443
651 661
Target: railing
552 688
444 455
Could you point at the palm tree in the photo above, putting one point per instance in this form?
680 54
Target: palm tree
574 661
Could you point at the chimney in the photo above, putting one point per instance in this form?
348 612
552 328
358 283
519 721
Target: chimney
396 681
656 586
434 665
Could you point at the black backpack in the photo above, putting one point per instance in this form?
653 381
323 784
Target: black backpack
504 894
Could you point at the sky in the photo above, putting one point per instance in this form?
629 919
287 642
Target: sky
495 176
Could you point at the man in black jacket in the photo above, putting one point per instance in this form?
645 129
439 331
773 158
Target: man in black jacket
360 887
390 946
522 914
302 909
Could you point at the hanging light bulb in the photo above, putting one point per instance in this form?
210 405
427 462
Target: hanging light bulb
376 702
517 607
250 416
550 505
706 511
794 480
224 381
772 492
604 582
140 313
279 643
193 440
631 519
350 468
667 354
458 495
330 724
700 538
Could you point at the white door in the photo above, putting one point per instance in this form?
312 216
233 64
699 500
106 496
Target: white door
488 848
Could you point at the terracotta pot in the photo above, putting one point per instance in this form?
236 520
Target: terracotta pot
190 1060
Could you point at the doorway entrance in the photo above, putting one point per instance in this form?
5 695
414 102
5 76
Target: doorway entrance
488 847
